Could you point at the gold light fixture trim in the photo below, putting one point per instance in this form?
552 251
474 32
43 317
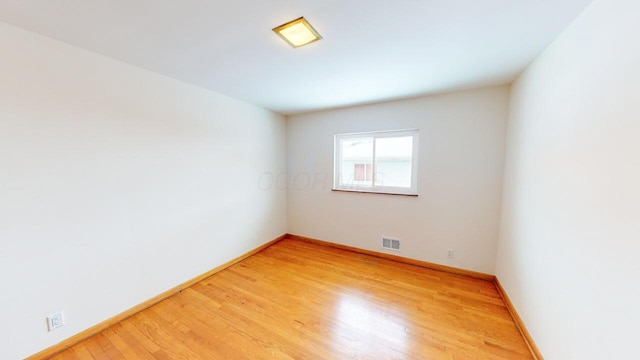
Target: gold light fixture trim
297 32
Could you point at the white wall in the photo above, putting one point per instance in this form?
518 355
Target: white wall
460 178
117 184
570 233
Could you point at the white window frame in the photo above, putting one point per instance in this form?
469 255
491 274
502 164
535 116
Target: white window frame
337 163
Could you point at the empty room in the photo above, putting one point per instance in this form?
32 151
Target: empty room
410 179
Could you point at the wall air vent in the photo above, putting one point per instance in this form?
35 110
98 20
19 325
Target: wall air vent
391 244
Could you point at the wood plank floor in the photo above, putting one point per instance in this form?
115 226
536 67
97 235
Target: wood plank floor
300 300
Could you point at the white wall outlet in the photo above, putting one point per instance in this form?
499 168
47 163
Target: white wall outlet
55 321
450 253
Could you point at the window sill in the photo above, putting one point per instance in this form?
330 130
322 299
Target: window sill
374 192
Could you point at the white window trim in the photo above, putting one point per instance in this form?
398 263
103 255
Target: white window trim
337 163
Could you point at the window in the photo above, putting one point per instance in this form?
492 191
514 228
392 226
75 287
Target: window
380 162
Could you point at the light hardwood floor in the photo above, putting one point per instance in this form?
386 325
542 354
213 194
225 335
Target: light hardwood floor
302 300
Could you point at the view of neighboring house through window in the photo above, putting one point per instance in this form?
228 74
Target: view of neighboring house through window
363 172
384 162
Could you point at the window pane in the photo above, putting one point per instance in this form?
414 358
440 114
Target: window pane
381 162
393 161
356 163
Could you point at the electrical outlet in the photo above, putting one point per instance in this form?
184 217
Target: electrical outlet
450 253
55 321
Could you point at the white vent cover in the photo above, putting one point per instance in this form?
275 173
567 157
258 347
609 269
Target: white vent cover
391 244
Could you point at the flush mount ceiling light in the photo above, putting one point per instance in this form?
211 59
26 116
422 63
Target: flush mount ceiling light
298 32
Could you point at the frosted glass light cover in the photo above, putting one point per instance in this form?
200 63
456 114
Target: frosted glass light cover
297 32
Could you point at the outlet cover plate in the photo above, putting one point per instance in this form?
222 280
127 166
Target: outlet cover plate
55 321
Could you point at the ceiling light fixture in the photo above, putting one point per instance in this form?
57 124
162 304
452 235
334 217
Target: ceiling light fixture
298 32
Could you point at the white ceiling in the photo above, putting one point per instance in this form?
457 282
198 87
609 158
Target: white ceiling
372 50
